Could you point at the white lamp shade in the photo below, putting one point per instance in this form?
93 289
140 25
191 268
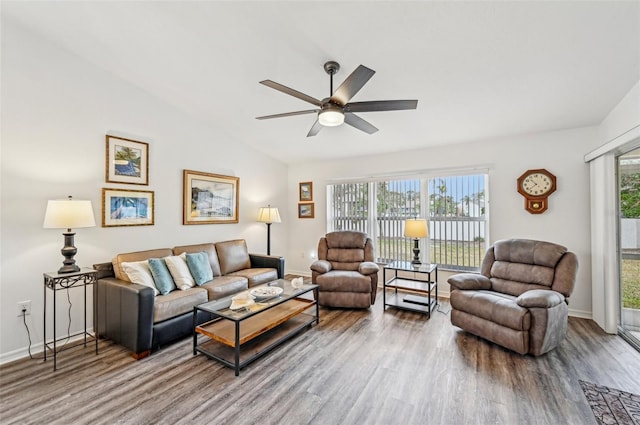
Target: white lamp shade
269 215
68 214
415 228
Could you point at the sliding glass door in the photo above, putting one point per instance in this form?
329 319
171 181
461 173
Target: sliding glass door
629 245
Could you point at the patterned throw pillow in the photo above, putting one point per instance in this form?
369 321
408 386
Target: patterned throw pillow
200 268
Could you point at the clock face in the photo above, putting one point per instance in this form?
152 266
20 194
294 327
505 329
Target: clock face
537 184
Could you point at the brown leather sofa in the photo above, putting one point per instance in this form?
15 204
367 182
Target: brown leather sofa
345 271
133 316
519 299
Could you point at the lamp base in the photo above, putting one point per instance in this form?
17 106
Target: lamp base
68 252
416 253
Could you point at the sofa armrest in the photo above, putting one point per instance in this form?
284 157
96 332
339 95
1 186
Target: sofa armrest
321 266
541 298
125 313
268 261
469 281
368 268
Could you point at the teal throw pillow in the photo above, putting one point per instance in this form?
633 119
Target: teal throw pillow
161 276
199 267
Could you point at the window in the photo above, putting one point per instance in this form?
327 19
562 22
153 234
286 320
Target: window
454 205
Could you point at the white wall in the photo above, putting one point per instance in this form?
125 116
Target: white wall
56 110
565 222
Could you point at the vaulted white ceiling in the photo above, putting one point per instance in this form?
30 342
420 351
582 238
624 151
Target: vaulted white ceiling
480 70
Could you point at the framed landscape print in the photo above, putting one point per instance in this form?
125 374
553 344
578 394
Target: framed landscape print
209 198
306 191
127 207
306 210
127 161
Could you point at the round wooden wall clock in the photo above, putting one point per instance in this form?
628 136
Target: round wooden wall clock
536 186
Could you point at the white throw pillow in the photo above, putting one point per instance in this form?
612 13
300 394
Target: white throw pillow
179 270
139 272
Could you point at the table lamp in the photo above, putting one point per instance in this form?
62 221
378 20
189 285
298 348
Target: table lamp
268 215
415 228
67 214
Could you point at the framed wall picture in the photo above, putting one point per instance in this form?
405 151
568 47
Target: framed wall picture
127 207
209 198
127 161
306 210
306 191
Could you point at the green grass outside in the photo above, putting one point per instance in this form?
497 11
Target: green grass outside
630 277
474 252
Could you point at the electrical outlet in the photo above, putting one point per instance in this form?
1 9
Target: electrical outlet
24 305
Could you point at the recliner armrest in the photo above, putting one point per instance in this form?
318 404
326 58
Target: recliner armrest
321 266
368 268
540 298
268 261
469 281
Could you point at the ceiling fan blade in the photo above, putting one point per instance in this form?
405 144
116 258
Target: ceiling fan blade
315 129
355 121
291 92
352 85
381 105
288 114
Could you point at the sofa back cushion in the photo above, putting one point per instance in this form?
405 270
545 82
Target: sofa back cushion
233 256
209 248
129 257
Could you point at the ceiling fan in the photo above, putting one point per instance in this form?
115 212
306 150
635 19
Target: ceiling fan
336 109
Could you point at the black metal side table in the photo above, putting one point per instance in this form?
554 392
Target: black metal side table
57 281
413 289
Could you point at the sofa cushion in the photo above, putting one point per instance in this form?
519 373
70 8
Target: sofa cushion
179 270
223 286
346 239
233 256
136 256
257 276
177 302
527 273
139 272
161 275
344 281
495 307
199 267
209 248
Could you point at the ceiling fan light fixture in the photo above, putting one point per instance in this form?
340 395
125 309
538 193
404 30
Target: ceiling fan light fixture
331 116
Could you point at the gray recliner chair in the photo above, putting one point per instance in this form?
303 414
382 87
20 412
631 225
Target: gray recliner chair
519 299
345 271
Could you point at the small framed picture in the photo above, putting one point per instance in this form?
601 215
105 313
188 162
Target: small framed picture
209 198
127 207
306 210
127 161
306 191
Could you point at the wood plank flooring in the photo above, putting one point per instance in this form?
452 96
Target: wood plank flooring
355 367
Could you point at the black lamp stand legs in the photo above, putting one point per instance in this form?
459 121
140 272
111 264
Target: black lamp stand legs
416 252
68 252
268 238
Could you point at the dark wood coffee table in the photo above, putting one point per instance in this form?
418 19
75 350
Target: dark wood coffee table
238 337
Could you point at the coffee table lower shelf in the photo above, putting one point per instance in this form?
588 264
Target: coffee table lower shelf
255 335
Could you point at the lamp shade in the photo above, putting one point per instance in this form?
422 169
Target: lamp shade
68 214
415 228
269 214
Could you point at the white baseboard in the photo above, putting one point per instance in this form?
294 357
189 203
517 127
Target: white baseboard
37 350
306 273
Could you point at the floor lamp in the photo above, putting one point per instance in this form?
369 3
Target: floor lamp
269 215
415 228
68 214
